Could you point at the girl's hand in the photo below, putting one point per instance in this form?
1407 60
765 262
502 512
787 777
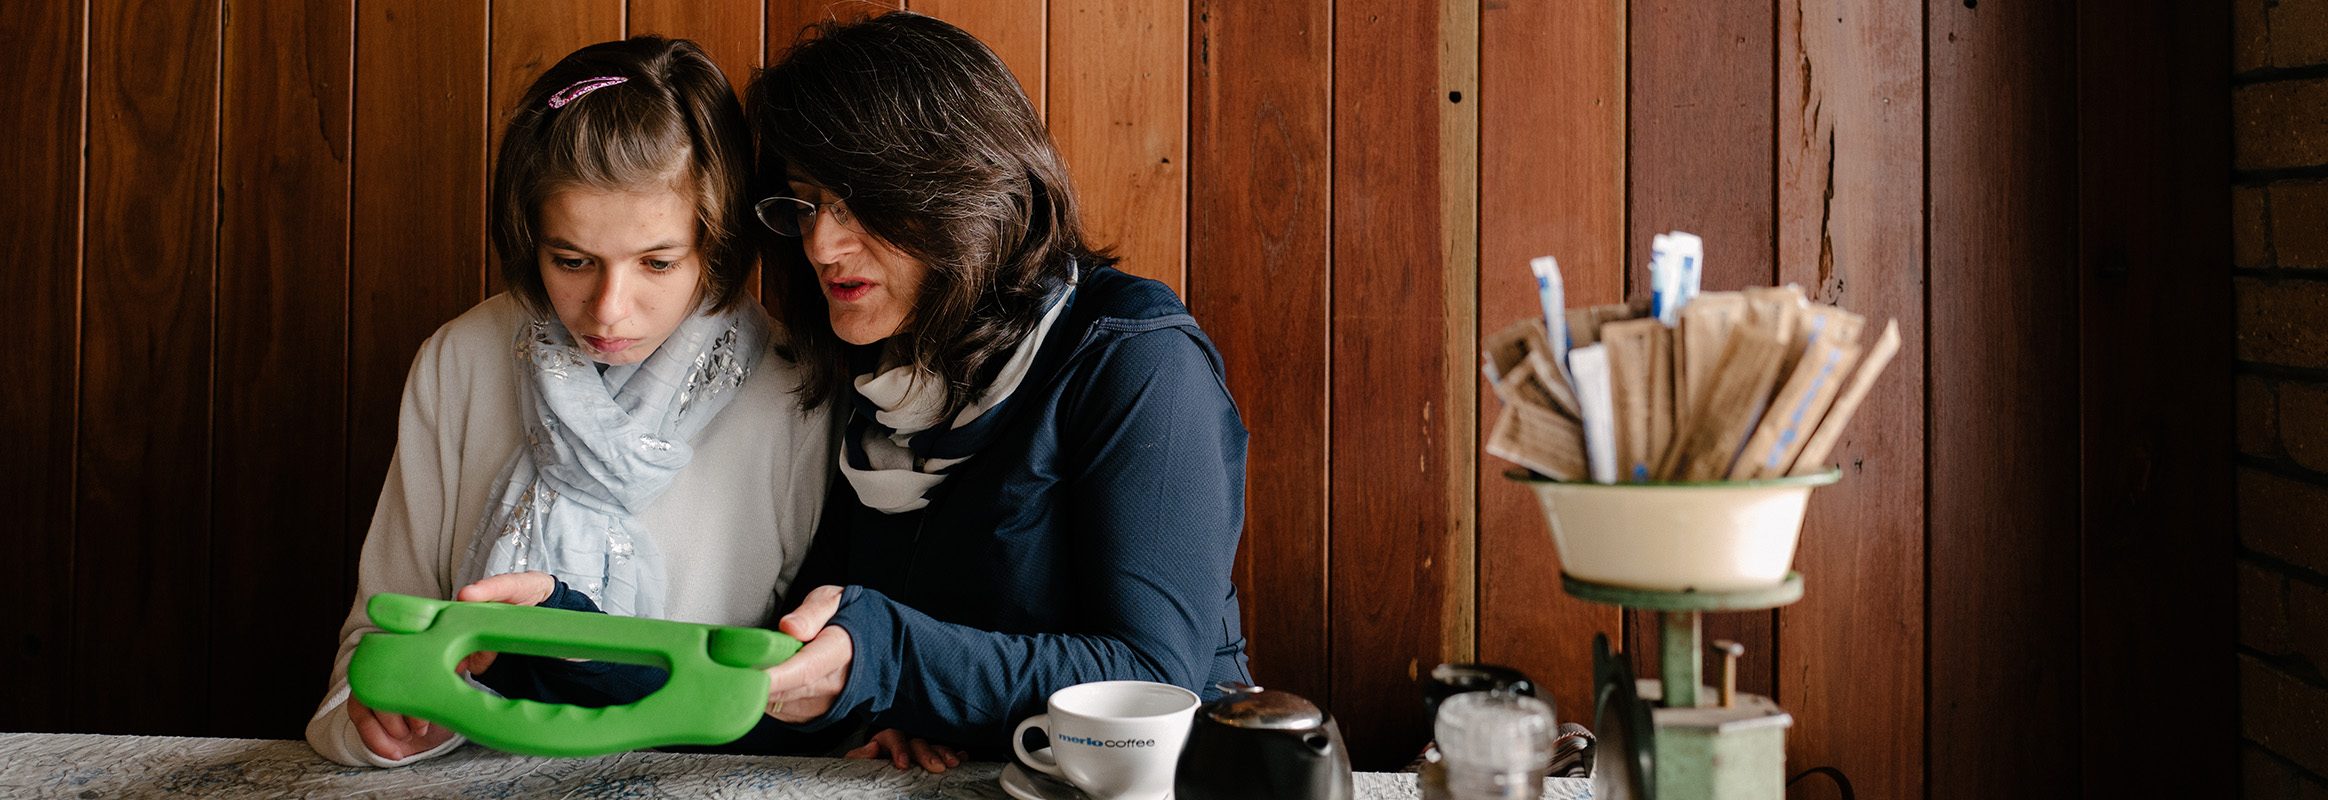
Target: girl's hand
514 588
806 685
899 748
395 736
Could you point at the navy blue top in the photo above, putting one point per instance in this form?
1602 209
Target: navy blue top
1089 535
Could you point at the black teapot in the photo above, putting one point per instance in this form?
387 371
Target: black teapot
1256 743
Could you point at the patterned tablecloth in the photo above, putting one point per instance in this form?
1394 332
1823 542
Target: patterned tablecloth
86 766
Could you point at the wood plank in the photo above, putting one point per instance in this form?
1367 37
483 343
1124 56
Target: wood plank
281 419
1017 31
1701 132
40 216
729 30
1850 136
2156 405
143 477
1552 182
1118 76
1261 176
786 20
527 40
1403 337
414 254
2002 430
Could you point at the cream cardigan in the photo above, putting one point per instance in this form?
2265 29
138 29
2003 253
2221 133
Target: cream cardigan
736 523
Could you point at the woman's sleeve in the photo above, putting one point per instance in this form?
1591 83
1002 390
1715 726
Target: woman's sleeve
1153 510
408 549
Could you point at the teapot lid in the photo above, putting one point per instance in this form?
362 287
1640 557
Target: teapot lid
1257 708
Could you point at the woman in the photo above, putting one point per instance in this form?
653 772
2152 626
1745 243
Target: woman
618 419
1043 472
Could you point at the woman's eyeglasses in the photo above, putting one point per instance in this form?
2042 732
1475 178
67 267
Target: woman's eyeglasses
794 217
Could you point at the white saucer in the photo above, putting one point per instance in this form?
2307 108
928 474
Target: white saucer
1024 784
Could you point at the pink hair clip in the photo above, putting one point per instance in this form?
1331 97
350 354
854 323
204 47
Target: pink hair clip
577 89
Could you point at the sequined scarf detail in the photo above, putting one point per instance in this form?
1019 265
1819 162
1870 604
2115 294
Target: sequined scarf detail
600 447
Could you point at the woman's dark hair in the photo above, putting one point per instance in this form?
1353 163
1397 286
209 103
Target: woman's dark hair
923 132
672 121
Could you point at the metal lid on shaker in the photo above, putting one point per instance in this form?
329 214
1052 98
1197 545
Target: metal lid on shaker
1257 708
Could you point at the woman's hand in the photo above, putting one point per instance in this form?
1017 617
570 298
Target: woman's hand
899 748
806 685
514 588
395 736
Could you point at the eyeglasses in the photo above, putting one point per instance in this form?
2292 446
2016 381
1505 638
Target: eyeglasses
794 217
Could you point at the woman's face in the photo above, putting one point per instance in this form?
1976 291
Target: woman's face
869 285
620 268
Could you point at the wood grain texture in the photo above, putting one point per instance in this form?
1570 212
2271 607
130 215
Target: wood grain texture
1260 184
2002 431
729 30
528 39
1017 31
1118 97
1701 127
281 409
40 215
1552 182
1400 558
418 212
143 484
1850 137
2155 397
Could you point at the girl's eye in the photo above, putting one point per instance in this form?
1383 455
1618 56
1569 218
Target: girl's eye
662 266
569 264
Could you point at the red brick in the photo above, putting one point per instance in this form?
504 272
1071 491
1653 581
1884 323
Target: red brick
2283 714
2258 409
2249 245
2263 777
2283 322
2284 519
2250 48
2303 425
2299 32
2280 124
2283 617
2299 223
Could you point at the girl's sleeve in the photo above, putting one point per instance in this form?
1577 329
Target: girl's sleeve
408 549
1155 505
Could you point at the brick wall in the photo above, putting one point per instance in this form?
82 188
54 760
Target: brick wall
2279 255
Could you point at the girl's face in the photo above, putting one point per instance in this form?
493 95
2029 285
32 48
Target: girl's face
869 285
620 268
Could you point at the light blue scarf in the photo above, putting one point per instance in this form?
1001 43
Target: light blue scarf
600 447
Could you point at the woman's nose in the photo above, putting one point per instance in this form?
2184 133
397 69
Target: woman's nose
612 302
828 240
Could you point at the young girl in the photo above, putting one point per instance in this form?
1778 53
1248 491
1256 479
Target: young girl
618 419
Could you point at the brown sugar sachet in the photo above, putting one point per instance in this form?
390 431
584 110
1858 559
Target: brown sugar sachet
1830 338
1640 355
1697 347
1525 343
1830 430
1727 405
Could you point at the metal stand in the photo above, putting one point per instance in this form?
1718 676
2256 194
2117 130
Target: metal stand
1681 651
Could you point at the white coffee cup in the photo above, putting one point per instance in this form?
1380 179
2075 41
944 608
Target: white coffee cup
1115 740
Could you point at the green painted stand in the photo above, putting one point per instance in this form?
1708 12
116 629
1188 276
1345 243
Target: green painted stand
1704 751
717 691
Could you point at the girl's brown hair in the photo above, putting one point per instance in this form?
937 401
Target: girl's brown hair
672 121
927 138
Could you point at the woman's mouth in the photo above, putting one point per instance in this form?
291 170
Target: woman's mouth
608 346
848 290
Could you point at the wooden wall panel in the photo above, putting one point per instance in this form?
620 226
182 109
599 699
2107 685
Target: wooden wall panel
1850 134
526 40
1118 82
1259 277
1403 352
1552 182
729 30
40 216
143 478
1017 31
1701 129
282 293
2002 430
2156 326
786 19
417 229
